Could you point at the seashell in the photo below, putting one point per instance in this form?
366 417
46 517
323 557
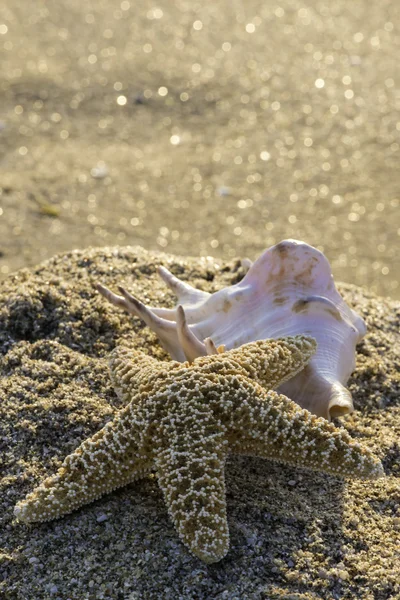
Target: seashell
288 290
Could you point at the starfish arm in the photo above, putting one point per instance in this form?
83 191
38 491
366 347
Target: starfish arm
132 371
112 458
266 362
274 427
190 472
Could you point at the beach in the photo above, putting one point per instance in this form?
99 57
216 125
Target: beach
189 135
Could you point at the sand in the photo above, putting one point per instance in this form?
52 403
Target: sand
294 534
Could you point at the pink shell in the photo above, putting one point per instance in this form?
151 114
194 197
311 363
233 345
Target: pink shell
288 290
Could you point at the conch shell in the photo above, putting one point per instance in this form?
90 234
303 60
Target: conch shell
288 290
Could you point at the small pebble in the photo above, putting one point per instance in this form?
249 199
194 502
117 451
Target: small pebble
290 563
101 518
292 482
343 575
223 191
99 172
246 263
323 573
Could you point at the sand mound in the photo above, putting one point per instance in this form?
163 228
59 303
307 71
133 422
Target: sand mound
294 534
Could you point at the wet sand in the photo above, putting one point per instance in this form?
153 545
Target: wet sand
295 535
215 129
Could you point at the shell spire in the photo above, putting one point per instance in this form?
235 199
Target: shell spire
165 329
192 347
183 291
173 334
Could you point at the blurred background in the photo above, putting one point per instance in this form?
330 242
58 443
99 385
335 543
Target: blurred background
202 128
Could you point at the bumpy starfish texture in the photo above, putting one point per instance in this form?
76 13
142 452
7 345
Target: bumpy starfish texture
182 420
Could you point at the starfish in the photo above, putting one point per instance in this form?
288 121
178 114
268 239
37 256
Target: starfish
181 421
